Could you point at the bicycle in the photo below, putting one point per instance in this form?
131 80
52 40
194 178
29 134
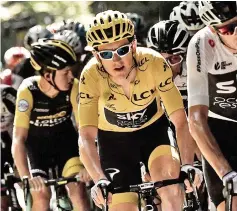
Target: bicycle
9 180
62 203
228 193
146 191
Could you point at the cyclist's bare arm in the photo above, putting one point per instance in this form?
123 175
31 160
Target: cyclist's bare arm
88 152
19 150
187 145
206 142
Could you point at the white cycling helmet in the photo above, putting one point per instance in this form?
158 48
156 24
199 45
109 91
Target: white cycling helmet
71 38
34 34
187 14
217 12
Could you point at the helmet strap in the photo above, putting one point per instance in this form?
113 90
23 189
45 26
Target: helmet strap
52 83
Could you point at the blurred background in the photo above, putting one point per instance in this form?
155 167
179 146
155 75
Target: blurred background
18 16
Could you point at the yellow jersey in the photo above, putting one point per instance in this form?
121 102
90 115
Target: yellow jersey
103 103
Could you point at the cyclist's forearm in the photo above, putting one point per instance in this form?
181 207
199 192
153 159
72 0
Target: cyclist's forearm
209 147
20 159
186 144
90 158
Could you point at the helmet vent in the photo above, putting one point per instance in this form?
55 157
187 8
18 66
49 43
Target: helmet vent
109 32
117 29
99 33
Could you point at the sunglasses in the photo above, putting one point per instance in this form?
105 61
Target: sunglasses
174 60
227 30
121 51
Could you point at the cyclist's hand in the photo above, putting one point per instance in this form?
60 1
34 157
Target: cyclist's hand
84 176
198 178
146 177
232 175
97 196
37 183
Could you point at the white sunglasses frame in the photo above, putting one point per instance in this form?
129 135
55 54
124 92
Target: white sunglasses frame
114 51
182 58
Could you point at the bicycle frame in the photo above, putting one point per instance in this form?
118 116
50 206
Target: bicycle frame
52 182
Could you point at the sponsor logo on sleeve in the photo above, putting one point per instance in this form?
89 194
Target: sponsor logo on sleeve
211 43
142 64
197 46
23 105
85 96
166 85
222 65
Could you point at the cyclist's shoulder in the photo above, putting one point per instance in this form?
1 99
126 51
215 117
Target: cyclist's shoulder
144 52
149 60
205 35
93 70
30 83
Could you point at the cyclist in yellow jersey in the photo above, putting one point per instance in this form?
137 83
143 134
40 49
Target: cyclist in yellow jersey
121 90
43 129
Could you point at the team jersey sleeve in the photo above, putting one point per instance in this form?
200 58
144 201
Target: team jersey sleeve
169 93
88 99
197 70
74 98
24 104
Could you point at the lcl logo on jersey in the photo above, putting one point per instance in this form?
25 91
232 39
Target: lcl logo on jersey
85 95
143 95
222 65
226 87
166 85
141 64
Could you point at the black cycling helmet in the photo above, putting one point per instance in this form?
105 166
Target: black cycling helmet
168 37
217 12
35 33
71 38
52 55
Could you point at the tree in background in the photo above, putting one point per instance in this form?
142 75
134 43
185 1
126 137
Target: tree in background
21 15
18 16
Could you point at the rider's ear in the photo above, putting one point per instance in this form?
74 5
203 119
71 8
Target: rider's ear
134 45
47 75
95 54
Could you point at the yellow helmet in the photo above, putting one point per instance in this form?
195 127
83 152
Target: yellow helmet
108 27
